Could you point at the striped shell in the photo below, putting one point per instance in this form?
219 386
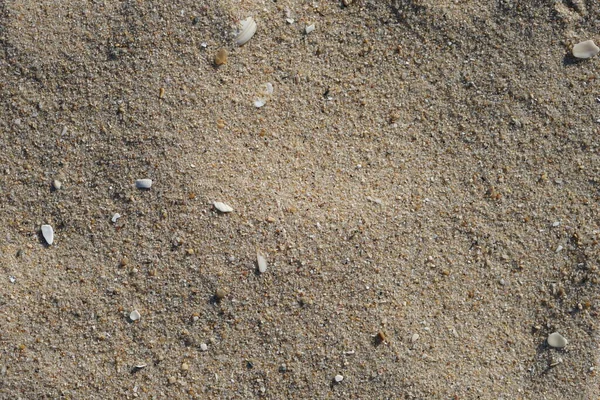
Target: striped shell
247 30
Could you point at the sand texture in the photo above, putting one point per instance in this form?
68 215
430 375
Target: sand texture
423 184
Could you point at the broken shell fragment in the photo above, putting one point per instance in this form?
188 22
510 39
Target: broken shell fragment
585 49
48 234
222 207
247 30
143 183
221 57
557 340
262 263
135 315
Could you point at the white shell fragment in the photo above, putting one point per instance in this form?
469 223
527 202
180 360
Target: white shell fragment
143 183
48 234
309 28
140 366
203 346
262 263
414 337
258 103
222 207
338 378
135 315
115 218
247 30
585 49
557 340
56 184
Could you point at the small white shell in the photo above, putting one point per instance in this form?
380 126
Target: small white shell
557 340
258 103
143 183
262 263
585 49
247 30
222 207
309 28
338 378
48 234
135 315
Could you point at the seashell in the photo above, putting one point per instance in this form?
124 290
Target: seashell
135 315
115 218
557 340
585 49
48 234
247 30
258 103
222 207
262 263
143 183
309 28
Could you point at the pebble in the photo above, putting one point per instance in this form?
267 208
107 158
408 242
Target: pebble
56 184
48 234
220 294
143 183
135 315
557 340
414 337
585 49
338 378
172 380
221 57
262 263
222 207
185 366
203 346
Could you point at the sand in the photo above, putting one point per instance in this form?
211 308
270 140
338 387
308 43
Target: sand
423 184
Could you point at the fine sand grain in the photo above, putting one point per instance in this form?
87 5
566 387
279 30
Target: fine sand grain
423 180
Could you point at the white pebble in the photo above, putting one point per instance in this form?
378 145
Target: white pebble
262 263
585 49
310 28
48 233
338 378
222 207
115 217
414 337
555 224
135 315
557 340
203 346
143 183
57 184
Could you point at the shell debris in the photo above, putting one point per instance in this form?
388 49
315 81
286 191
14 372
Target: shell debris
309 28
247 30
261 261
135 315
143 183
585 49
222 207
48 234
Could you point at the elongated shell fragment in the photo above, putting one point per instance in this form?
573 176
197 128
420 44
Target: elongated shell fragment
585 49
48 234
262 263
247 30
222 207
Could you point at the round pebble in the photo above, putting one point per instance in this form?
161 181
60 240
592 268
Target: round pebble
585 49
220 294
338 378
414 337
143 183
135 315
57 184
203 346
185 366
557 340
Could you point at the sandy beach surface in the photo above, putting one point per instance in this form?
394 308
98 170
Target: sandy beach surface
422 182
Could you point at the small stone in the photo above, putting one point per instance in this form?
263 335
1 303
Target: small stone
338 378
262 263
220 294
48 234
309 28
414 337
585 49
221 57
185 367
172 380
557 340
135 315
222 207
143 183
56 184
203 346
555 224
